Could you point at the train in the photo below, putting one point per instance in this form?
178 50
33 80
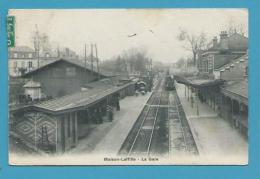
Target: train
141 87
169 83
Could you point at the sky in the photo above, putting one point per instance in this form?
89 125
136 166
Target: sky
156 29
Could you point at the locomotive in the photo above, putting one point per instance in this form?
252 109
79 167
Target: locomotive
169 83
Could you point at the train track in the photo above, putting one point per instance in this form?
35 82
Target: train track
181 140
142 141
161 129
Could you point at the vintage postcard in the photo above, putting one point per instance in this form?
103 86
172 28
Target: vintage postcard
128 86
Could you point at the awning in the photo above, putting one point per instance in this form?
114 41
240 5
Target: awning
198 82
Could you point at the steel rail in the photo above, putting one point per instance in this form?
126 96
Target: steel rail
155 119
140 128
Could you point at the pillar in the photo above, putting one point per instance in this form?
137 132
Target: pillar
197 101
232 111
188 93
185 90
76 128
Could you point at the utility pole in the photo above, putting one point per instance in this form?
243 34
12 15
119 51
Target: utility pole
85 58
97 61
37 45
91 56
58 52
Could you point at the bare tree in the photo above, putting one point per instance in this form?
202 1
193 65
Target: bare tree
194 42
136 58
235 27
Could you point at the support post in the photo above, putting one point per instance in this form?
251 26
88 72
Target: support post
185 90
197 101
188 93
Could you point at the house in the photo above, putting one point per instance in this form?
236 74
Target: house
63 76
221 53
22 59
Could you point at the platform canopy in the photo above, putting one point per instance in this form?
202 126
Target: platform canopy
198 82
236 90
73 102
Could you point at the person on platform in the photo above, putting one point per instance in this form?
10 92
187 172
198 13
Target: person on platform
117 102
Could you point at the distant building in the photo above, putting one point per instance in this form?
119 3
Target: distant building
63 76
221 53
67 53
22 59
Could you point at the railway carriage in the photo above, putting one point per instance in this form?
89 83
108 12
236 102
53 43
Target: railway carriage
169 83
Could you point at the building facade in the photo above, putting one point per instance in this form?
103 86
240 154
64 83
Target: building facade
221 53
62 77
22 59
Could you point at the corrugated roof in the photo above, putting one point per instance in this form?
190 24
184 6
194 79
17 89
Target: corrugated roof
239 88
72 61
103 83
198 82
77 100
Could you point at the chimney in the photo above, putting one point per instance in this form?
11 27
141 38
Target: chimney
223 35
223 40
215 42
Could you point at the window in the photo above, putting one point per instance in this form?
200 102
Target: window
30 55
23 64
71 71
15 64
15 55
30 64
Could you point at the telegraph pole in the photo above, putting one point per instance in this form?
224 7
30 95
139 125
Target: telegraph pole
85 58
37 45
97 61
91 56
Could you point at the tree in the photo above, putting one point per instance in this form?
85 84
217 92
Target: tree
235 27
180 63
137 59
194 42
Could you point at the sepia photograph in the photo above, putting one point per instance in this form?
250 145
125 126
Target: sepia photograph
128 86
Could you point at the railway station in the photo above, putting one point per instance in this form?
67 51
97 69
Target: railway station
132 105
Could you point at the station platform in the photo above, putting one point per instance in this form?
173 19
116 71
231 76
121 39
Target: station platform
107 138
216 140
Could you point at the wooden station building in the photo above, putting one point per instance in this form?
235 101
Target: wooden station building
63 76
56 125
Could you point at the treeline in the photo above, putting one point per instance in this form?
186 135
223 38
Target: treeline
131 61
